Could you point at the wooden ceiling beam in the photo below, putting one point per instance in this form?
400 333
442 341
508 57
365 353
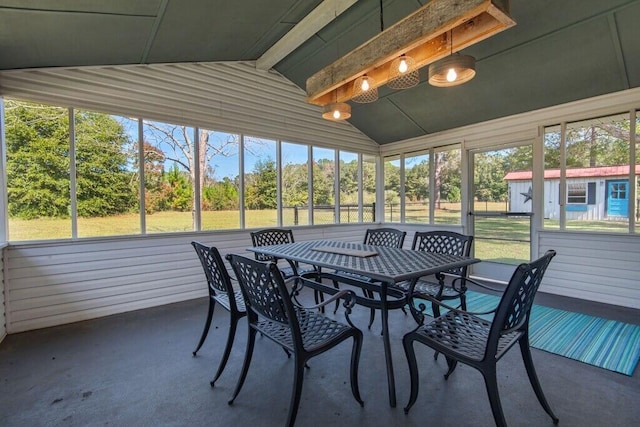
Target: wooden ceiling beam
423 35
319 17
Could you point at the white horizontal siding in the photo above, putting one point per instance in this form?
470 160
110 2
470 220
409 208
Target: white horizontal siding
49 284
223 96
593 266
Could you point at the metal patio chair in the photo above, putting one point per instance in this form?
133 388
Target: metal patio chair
277 236
442 242
303 331
389 237
221 291
467 338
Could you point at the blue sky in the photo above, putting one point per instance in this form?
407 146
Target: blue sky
225 164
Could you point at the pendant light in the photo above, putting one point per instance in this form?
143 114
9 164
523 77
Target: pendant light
403 73
453 70
336 111
364 90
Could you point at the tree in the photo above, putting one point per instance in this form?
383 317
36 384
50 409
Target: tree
416 185
348 182
220 195
103 181
323 175
261 191
295 185
38 162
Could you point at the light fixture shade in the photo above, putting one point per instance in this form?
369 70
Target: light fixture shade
463 67
364 90
403 73
336 111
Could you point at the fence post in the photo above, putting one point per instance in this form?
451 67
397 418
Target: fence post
373 211
295 215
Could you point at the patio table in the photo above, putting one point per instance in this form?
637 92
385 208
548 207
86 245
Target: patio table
384 265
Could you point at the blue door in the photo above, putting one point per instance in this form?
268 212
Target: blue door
618 198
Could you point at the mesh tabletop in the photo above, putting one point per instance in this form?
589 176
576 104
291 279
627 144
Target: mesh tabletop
388 265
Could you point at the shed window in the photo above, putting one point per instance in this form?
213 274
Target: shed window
577 193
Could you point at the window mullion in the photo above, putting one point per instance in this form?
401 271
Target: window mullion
72 174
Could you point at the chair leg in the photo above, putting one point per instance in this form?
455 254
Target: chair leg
533 377
491 383
233 323
355 361
207 324
297 390
436 313
336 286
251 338
451 363
407 342
372 312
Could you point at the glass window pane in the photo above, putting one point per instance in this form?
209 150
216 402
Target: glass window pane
219 180
392 189
323 186
348 187
37 144
448 186
598 174
551 189
107 190
577 193
260 193
295 184
168 175
368 188
416 188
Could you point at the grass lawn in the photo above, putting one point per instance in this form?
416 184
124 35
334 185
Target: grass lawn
497 239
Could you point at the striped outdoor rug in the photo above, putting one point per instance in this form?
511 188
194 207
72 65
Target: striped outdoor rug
600 342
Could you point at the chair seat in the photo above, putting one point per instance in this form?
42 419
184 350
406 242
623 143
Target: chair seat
223 300
463 335
425 287
317 330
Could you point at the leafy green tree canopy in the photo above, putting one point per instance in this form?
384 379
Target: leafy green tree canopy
38 162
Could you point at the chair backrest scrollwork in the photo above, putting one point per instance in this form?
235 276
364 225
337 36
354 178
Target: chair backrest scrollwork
270 236
263 288
515 305
444 242
389 237
214 269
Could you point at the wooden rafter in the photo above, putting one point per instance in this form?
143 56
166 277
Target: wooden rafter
326 12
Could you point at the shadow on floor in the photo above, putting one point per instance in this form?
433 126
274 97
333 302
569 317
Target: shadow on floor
136 369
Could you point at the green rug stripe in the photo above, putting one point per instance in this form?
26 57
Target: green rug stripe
600 342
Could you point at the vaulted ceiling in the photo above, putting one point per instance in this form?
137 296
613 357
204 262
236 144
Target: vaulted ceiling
559 51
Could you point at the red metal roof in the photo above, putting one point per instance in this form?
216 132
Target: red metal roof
601 171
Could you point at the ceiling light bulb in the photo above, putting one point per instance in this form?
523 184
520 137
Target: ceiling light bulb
365 84
403 67
452 75
336 114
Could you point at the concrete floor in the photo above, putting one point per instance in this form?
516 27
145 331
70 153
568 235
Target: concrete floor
136 369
